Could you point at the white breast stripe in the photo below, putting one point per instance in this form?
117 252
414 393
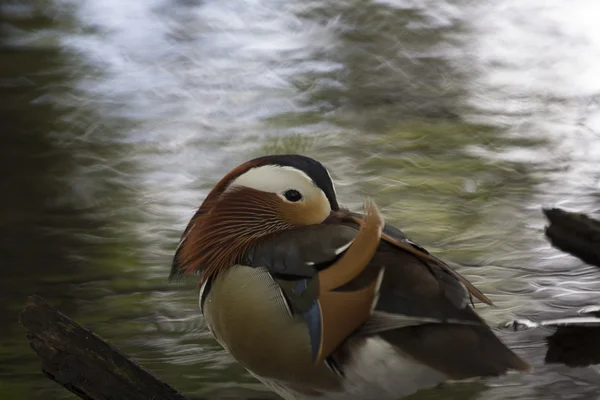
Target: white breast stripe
202 288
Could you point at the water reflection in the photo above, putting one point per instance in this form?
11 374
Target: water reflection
461 119
386 56
43 247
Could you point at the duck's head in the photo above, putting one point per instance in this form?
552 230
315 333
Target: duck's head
257 199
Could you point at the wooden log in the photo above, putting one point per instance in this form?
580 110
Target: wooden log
82 362
574 233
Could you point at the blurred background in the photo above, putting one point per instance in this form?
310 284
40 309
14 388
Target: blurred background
462 119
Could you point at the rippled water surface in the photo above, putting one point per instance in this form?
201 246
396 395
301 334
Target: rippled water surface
461 119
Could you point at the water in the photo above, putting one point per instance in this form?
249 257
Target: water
461 119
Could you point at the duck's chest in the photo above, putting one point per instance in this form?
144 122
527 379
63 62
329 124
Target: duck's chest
248 315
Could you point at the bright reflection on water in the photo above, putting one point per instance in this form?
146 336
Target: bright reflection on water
461 119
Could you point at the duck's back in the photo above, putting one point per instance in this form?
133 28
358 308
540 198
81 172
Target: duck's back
422 331
443 331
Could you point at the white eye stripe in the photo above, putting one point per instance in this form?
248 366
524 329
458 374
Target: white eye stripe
274 179
277 180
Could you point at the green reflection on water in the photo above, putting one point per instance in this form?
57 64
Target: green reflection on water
390 135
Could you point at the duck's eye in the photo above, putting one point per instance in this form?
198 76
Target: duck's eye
292 195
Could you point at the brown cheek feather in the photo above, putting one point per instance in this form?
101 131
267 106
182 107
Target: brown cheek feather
220 236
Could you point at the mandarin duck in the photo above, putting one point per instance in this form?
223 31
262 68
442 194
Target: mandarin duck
319 302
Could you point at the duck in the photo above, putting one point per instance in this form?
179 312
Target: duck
320 302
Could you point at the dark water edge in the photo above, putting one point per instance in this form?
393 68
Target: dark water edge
105 152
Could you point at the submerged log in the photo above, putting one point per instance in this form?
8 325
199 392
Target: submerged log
574 346
574 233
82 362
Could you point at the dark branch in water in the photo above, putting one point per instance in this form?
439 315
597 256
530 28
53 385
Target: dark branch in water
574 346
574 233
85 364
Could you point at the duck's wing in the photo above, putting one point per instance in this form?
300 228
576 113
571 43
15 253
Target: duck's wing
417 288
387 288
312 265
424 311
420 307
397 238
